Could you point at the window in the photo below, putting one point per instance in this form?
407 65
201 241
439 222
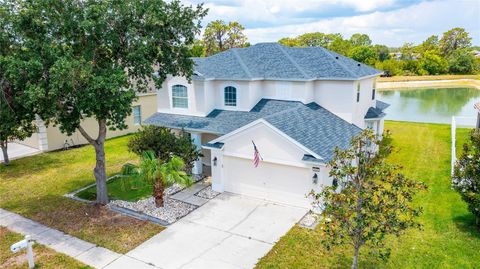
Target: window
230 96
358 92
373 89
137 115
179 96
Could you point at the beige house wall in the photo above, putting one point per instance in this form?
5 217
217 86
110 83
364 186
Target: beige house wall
56 139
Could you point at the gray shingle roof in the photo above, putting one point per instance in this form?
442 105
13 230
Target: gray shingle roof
273 61
310 125
377 111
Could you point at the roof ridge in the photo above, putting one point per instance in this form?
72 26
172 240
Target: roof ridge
292 61
242 64
340 63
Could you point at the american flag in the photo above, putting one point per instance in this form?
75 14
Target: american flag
477 106
256 155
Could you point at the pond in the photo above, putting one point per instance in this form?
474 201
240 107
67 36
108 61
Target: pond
435 105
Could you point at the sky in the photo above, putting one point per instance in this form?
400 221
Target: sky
389 22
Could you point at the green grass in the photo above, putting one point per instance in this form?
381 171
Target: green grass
44 256
120 189
34 187
449 238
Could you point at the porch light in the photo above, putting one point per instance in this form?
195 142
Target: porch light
215 161
315 178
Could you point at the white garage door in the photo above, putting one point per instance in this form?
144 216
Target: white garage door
279 183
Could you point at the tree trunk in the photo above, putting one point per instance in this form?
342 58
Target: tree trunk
355 257
101 174
158 191
4 147
100 168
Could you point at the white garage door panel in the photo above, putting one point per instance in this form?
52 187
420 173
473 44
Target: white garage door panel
280 183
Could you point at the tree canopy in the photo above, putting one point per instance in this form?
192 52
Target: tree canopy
96 55
219 36
16 113
452 53
373 198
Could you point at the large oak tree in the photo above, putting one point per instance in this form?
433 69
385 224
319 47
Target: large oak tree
97 54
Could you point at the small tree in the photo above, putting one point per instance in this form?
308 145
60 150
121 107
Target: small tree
158 173
164 144
466 175
374 199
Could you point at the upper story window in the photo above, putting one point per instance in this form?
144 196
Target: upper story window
137 115
230 94
179 96
358 92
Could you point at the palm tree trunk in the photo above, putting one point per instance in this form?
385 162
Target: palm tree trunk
158 190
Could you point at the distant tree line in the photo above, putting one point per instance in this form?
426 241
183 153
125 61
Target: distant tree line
452 53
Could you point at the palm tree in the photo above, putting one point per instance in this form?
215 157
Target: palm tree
160 174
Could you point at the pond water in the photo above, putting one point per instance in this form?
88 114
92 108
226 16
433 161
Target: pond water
435 105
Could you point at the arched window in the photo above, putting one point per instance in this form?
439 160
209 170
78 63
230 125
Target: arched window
179 96
230 94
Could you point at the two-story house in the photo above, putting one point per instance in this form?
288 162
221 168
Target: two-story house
294 104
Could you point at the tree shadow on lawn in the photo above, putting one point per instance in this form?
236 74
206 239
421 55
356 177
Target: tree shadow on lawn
29 165
89 222
466 224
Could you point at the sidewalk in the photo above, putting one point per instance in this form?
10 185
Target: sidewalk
83 251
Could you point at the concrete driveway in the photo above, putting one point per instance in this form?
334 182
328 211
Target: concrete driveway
230 231
16 151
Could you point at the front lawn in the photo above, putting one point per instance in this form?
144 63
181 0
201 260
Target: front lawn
120 189
44 257
34 187
449 238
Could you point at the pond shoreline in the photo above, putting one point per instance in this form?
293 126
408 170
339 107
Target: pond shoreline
448 83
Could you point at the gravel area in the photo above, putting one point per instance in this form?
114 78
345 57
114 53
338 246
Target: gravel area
310 220
207 193
171 212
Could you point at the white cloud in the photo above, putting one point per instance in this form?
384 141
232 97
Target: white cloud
410 24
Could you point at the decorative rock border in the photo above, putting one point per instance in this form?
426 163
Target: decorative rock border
145 209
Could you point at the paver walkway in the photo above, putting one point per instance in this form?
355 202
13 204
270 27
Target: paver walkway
230 231
83 251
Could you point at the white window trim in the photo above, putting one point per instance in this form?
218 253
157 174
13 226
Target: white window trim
140 114
170 95
222 94
236 97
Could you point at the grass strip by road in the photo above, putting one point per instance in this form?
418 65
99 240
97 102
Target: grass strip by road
44 257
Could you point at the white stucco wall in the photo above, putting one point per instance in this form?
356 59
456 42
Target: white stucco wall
281 176
338 96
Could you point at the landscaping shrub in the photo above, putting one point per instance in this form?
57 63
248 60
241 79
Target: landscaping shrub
466 176
165 144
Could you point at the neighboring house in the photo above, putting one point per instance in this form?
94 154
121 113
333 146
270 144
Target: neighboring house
50 138
296 104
